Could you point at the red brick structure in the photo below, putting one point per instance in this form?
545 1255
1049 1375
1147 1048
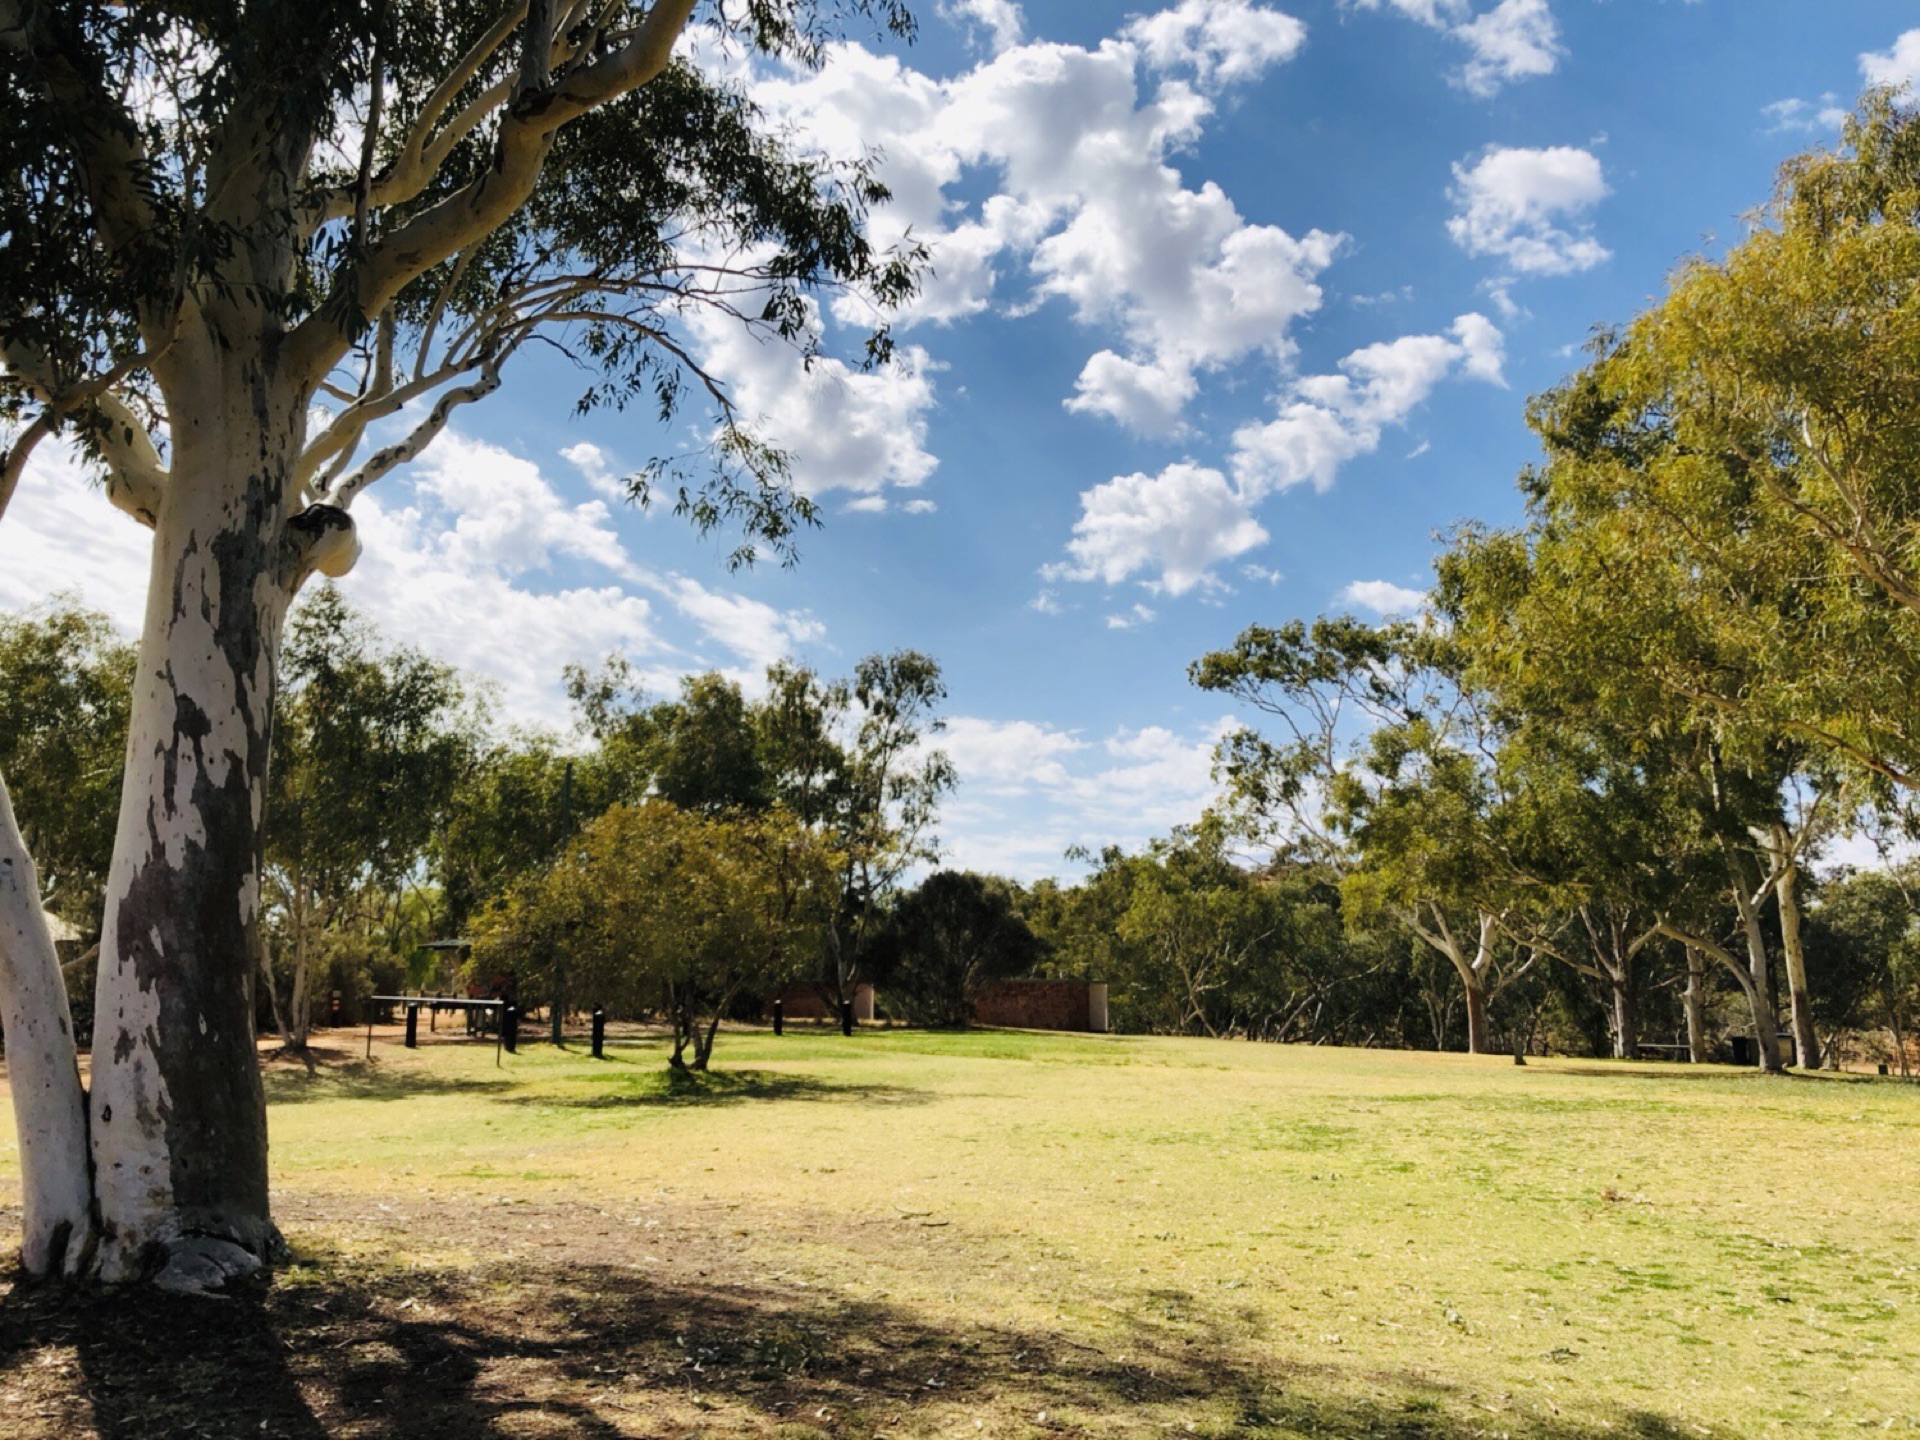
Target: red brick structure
811 1001
1043 1005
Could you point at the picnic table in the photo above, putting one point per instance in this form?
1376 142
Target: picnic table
478 1013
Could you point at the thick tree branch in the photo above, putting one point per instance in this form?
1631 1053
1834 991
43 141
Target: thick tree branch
416 164
136 473
13 460
1711 949
99 130
391 457
367 285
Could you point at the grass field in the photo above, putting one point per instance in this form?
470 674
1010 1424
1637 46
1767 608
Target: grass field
1016 1234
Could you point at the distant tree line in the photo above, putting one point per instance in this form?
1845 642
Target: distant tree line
1404 856
673 857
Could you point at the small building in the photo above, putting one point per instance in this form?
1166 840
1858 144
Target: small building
1079 1005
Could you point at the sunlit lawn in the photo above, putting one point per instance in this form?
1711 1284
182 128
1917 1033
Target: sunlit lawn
906 1233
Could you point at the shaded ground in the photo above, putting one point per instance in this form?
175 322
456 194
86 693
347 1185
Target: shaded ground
563 1333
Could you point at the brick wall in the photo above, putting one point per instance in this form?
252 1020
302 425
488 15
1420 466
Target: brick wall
810 1001
1034 1004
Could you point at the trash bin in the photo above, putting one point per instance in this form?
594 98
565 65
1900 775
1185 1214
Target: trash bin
1743 1051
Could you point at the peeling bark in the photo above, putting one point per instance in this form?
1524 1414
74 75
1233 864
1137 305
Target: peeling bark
179 1115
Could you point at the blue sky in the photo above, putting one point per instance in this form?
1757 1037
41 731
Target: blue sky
1233 306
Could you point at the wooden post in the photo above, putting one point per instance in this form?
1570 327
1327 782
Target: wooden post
846 1017
779 1018
599 1031
413 1027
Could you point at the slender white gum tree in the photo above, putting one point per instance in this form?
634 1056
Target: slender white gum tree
238 236
49 1108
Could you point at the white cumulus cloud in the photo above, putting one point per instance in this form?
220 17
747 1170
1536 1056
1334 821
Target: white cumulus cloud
1170 530
1514 40
1899 65
1383 597
1029 789
476 557
842 428
1804 116
1001 19
1526 208
1323 421
1083 197
1219 40
1176 525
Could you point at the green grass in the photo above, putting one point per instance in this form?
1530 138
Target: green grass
1230 1238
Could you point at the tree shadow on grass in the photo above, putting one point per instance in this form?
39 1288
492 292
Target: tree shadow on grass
369 1080
597 1351
677 1088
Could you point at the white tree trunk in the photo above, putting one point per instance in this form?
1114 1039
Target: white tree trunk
1806 1040
49 1107
1766 1022
179 1114
300 1008
1696 1004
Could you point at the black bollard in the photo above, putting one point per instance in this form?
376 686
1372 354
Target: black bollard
599 1031
779 1018
1883 1067
846 1017
510 1028
413 1027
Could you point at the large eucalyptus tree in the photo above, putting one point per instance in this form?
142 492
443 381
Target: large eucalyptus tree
238 235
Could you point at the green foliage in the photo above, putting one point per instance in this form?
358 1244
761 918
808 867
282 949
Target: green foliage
953 933
1191 942
371 745
652 908
1728 507
65 687
137 196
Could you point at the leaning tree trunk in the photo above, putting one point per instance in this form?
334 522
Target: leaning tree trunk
49 1108
179 1127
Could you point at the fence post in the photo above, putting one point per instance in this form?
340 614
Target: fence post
599 1031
